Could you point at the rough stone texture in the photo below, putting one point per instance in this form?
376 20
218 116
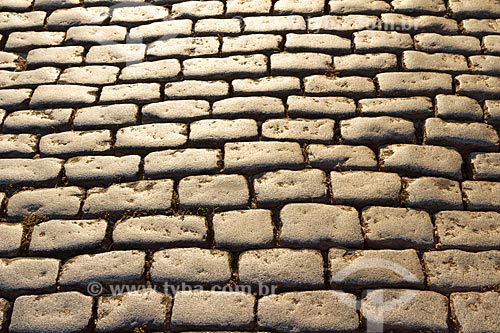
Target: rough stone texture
86 170
375 268
269 85
365 64
329 107
478 86
415 83
115 54
21 171
89 75
140 92
382 41
299 129
492 112
248 107
350 86
325 43
261 43
481 195
192 89
76 143
37 121
341 157
14 97
319 225
485 166
11 242
63 95
112 116
44 75
458 108
230 67
308 311
432 42
96 35
63 18
44 313
432 193
474 311
151 137
396 228
456 270
301 63
438 62
158 31
4 308
184 47
222 130
261 24
24 40
161 70
404 107
181 162
170 111
20 276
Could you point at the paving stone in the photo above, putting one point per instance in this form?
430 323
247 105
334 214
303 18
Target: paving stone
358 6
4 309
328 107
338 226
432 42
475 312
61 202
492 112
90 170
159 231
16 5
308 311
37 121
44 313
28 78
324 43
191 266
303 63
417 107
100 35
51 4
362 188
20 276
190 89
238 7
273 188
485 166
213 309
255 43
483 9
382 41
144 195
342 25
432 193
105 116
478 27
63 95
269 85
405 309
349 86
21 21
491 44
478 86
458 108
365 64
62 237
284 269
23 40
456 270
9 60
375 269
14 97
485 64
150 137
281 24
18 145
307 130
11 243
432 7
341 157
161 70
437 62
376 131
63 18
133 310
256 107
217 26
115 267
175 163
227 191
481 195
415 83
415 160
183 110
134 92
138 14
463 136
184 47
222 130
89 75
230 67
197 9
470 231
116 54
76 143
29 172
263 155
397 228
304 7
65 55
163 30
243 229
419 24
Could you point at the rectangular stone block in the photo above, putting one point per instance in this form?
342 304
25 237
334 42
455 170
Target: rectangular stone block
64 95
419 24
135 92
218 131
161 70
382 41
18 145
20 276
436 62
268 86
100 35
432 42
230 67
66 17
97 75
485 166
405 107
33 77
184 47
37 121
475 311
478 86
12 234
432 194
341 157
73 143
458 108
481 195
325 43
342 25
149 137
327 107
194 89
105 116
365 64
281 24
300 63
21 21
175 111
254 43
256 107
350 86
116 54
411 84
299 129
175 163
29 172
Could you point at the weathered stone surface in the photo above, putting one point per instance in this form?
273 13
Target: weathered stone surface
63 18
415 160
455 270
375 269
138 14
254 43
365 64
382 41
358 6
260 107
230 67
101 35
65 55
432 193
415 83
341 157
269 86
116 54
349 86
143 195
197 9
273 188
115 267
158 31
43 313
481 195
342 24
192 89
21 171
184 47
492 112
14 97
300 63
436 7
229 191
161 70
9 60
89 75
308 311
105 116
436 62
133 310
304 7
281 24
222 130
485 64
485 166
362 188
405 309
491 44
478 86
395 228
214 26
483 9
419 24
28 78
213 309
326 43
22 40
20 276
191 266
475 312
22 21
4 308
61 202
299 129
282 268
404 107
243 229
134 92
62 237
329 107
159 231
237 7
432 42
11 243
318 225
76 143
458 108
151 137
65 95
179 162
169 111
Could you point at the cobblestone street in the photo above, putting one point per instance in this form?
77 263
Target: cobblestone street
249 166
